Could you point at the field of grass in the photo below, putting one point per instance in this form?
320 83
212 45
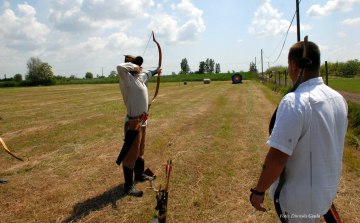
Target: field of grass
164 78
346 84
70 136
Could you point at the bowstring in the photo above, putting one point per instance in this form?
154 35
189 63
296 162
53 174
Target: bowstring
146 45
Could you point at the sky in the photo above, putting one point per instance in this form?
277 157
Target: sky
79 36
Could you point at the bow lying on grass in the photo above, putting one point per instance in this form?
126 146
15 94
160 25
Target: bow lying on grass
7 150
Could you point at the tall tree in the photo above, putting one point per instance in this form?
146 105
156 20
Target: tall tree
207 67
217 68
44 71
113 74
185 66
32 64
252 67
211 66
202 67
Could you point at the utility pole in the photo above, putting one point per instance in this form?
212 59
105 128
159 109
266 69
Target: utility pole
298 20
102 71
262 70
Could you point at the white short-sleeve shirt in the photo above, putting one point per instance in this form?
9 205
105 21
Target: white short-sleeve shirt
310 127
133 89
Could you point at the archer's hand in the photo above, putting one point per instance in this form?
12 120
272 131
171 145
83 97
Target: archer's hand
256 201
159 70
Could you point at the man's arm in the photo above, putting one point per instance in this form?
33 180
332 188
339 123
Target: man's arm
274 164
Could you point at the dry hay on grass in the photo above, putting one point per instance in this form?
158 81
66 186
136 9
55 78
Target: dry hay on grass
215 135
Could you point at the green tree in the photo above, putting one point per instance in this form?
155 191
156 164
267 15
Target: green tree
350 68
202 67
32 64
72 76
113 74
207 67
252 68
89 75
217 68
185 66
18 77
211 66
44 72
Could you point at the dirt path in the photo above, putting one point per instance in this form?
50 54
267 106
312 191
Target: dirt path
353 97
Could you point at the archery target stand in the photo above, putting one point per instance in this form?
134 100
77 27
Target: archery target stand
236 79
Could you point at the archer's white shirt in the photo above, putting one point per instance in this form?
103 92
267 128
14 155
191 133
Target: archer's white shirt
310 127
133 89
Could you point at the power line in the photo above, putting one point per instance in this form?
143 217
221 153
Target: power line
287 32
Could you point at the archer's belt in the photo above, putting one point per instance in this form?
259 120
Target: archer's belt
136 117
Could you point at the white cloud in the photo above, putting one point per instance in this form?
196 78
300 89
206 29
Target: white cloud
341 34
6 4
173 6
268 22
189 10
167 27
79 16
24 31
331 6
358 44
351 22
338 49
323 48
239 40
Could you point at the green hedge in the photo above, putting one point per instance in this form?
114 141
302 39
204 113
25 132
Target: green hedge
27 83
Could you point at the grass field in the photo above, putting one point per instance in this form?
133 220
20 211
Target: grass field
164 78
346 84
70 136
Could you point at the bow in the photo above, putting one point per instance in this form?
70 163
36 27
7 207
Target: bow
159 66
7 150
303 63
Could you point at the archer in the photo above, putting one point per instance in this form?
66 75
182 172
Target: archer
133 86
303 165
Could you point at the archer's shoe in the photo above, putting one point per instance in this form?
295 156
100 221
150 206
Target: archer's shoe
132 191
3 181
128 185
143 178
140 176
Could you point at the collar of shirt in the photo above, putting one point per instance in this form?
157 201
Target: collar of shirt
312 81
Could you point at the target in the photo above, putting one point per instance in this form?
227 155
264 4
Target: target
236 78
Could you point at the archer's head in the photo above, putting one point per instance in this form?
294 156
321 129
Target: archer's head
296 53
135 60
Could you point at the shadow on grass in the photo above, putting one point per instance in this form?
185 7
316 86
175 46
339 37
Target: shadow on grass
83 209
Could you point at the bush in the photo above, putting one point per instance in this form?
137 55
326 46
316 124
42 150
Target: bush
8 84
353 135
47 82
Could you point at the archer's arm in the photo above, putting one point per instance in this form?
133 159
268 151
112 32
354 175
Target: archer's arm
274 164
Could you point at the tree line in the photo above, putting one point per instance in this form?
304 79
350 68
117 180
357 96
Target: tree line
205 67
40 73
342 69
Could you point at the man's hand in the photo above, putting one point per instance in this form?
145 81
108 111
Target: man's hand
137 71
256 201
159 70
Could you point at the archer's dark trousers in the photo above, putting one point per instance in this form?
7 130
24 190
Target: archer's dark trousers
137 149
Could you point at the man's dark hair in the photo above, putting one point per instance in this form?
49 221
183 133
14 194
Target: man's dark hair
138 61
313 53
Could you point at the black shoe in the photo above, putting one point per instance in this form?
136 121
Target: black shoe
132 191
143 178
139 171
128 185
3 181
